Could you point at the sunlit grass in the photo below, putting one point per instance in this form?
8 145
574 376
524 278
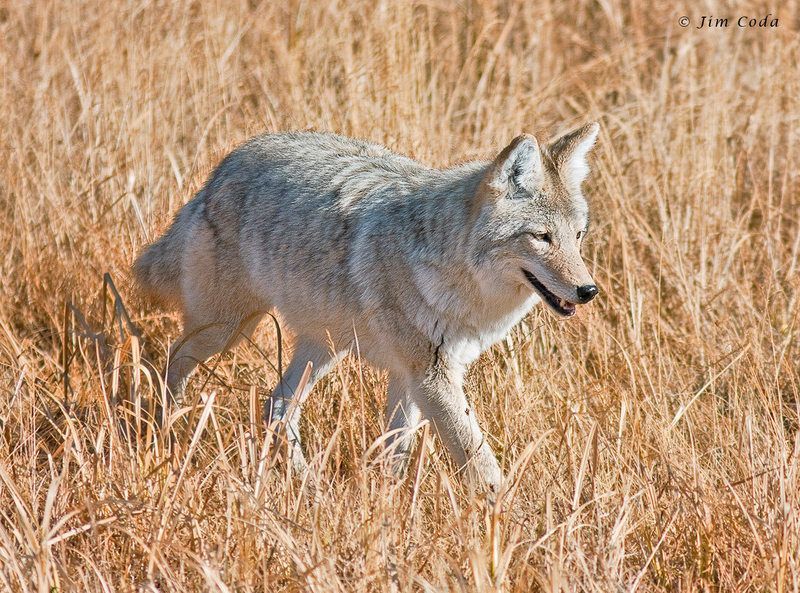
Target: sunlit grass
651 441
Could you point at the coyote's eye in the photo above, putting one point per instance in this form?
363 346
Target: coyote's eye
581 235
543 237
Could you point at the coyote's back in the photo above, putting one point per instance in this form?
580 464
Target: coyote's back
290 197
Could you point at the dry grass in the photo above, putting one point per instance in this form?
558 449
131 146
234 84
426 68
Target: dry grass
657 432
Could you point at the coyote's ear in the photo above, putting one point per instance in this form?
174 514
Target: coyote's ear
518 164
569 155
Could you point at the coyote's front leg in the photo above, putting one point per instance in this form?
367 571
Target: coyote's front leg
441 398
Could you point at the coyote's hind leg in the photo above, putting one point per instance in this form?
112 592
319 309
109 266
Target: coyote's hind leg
284 405
202 339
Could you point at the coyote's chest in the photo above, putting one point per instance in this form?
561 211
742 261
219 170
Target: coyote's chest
470 338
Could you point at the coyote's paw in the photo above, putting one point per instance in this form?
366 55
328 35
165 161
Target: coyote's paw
484 474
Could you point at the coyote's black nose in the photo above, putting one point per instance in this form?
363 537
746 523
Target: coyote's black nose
587 292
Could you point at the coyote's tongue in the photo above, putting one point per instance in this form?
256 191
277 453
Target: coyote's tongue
562 306
566 305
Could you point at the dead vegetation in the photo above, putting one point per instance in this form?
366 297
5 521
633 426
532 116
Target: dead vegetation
652 440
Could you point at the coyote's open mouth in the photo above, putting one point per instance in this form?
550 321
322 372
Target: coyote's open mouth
559 305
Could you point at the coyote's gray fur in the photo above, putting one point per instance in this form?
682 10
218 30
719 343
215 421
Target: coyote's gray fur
423 268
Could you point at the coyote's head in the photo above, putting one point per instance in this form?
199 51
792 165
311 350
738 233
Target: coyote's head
531 219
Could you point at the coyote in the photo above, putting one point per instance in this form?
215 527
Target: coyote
424 269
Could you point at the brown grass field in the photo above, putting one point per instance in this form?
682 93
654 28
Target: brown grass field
652 441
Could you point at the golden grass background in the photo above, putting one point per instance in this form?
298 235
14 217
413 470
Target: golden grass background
657 431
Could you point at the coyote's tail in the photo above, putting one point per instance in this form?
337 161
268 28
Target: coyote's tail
157 270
